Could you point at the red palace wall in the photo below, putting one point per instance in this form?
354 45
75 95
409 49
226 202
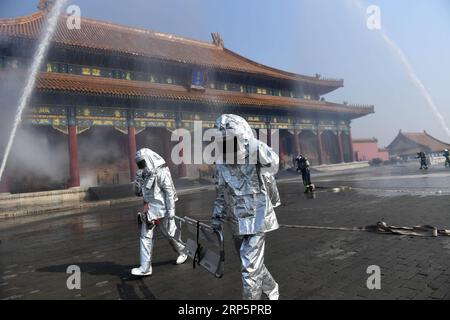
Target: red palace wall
366 151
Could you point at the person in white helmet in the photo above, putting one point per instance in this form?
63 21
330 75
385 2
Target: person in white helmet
246 197
154 183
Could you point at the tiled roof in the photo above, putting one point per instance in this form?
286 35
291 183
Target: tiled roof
137 89
424 139
140 42
421 141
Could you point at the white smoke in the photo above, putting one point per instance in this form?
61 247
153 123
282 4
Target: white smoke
41 52
38 159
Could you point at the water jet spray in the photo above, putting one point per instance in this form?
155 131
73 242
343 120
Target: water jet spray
409 70
52 22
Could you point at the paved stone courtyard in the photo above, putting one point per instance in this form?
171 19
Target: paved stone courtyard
307 263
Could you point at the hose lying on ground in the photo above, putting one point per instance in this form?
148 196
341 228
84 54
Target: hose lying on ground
382 228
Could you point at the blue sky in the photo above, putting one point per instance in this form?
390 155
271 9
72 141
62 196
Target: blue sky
315 36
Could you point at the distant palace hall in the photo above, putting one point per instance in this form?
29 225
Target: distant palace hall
133 87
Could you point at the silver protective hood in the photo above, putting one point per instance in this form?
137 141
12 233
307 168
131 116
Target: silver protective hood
156 185
151 158
232 126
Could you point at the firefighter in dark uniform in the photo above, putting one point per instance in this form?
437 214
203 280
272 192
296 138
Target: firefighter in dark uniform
302 165
447 158
423 160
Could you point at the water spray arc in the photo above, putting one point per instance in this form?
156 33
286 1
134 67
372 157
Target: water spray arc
416 81
52 22
409 70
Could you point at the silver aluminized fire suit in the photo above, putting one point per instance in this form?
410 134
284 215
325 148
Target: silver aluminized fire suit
155 184
246 197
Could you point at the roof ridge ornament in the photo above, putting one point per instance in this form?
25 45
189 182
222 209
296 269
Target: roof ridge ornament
217 40
45 5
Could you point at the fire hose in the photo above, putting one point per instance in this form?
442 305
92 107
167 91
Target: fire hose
383 228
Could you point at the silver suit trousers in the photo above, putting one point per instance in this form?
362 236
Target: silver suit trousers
256 279
171 233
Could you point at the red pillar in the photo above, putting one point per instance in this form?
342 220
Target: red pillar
297 147
341 148
352 154
132 151
283 149
73 157
282 145
320 147
167 146
182 171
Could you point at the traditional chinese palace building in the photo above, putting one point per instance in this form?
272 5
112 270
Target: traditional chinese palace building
406 145
136 86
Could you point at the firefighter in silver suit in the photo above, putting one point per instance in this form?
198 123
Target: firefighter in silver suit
154 183
246 197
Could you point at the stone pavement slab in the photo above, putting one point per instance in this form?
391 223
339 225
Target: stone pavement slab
307 264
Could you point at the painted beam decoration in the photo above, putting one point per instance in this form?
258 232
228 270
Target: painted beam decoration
257 122
187 120
47 116
328 126
344 126
305 124
280 123
88 116
148 119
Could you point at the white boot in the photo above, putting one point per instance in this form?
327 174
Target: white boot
140 273
182 258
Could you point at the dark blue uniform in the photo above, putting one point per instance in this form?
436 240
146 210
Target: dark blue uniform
423 160
302 165
447 158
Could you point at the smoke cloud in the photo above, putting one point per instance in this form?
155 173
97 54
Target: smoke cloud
38 159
